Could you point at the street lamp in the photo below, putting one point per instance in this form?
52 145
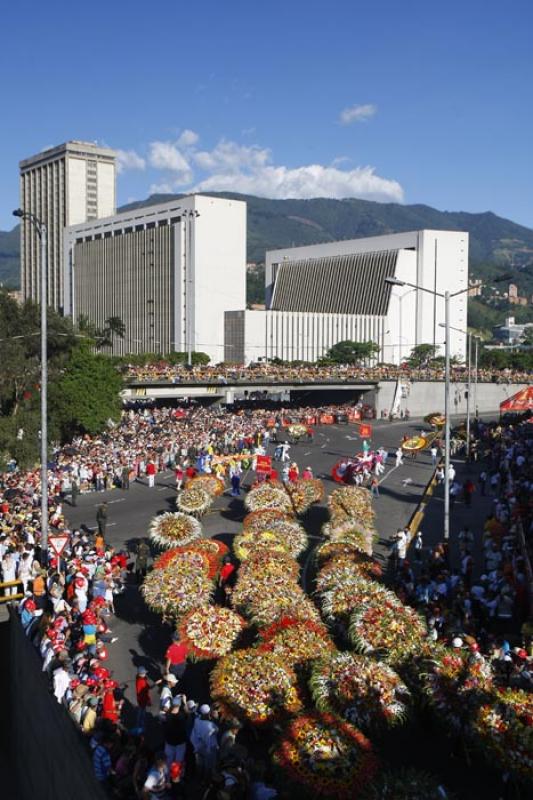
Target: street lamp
447 295
469 382
41 229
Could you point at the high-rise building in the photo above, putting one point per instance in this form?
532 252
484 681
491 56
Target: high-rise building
169 271
65 185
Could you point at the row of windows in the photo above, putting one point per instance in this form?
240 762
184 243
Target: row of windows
162 223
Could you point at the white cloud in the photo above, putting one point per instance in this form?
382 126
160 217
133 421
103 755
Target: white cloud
129 159
306 182
166 156
357 113
231 157
230 166
187 138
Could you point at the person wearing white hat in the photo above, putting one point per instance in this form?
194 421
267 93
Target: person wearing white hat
166 697
204 740
457 642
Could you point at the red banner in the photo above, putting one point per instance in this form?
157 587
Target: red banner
264 465
365 430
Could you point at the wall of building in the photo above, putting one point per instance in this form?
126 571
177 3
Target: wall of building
105 188
426 396
435 260
77 191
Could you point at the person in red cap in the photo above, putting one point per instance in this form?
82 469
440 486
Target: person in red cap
150 473
176 657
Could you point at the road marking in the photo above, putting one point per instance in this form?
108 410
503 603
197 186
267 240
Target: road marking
352 438
323 445
110 502
308 453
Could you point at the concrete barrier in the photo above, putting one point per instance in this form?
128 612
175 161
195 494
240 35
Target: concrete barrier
427 396
47 752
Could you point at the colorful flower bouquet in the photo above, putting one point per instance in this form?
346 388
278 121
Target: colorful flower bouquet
304 493
172 530
352 501
333 550
210 631
262 520
266 496
340 601
503 728
369 694
213 550
194 500
253 686
290 603
327 756
387 629
179 587
296 641
456 685
213 486
292 541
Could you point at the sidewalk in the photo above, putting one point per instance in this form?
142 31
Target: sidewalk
461 515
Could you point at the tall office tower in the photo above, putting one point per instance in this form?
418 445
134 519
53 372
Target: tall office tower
62 186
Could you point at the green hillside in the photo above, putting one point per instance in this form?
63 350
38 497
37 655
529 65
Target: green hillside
495 243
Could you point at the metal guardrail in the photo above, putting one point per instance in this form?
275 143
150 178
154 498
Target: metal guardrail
7 598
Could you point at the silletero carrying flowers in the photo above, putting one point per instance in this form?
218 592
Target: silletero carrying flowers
253 686
210 631
367 693
387 629
326 757
194 500
174 530
179 587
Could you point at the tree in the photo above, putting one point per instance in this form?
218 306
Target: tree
421 355
86 396
527 337
101 337
349 352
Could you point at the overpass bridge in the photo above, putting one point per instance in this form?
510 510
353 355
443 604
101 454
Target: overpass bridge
227 391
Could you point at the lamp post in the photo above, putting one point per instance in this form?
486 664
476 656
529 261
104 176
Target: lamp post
40 227
469 383
447 296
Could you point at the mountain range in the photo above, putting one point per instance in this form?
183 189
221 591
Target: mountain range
495 242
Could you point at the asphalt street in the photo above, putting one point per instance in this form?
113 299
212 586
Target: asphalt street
142 638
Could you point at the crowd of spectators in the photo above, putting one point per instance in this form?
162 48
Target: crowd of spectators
303 373
476 593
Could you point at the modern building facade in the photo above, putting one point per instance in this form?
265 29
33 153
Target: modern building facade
322 294
169 271
62 186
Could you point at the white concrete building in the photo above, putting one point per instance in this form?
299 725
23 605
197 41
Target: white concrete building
169 271
321 294
62 186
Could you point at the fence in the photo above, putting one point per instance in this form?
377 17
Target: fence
48 755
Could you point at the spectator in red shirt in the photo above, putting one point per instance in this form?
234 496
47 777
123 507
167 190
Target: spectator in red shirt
142 691
226 578
176 657
151 471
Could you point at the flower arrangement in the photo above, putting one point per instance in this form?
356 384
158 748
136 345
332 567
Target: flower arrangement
254 686
262 520
304 493
455 686
387 628
367 693
297 430
339 601
210 631
406 784
171 530
266 496
414 443
292 541
352 501
194 500
504 729
350 532
296 641
213 486
179 587
291 602
333 550
327 756
213 551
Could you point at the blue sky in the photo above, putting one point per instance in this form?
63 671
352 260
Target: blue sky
417 102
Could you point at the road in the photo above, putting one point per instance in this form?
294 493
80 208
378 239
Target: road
142 637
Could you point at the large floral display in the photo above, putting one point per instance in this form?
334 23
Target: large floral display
268 496
386 628
286 538
296 641
171 530
194 500
256 686
180 586
367 693
210 631
326 756
503 728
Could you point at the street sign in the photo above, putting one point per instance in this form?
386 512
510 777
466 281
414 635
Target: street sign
365 430
264 465
58 543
